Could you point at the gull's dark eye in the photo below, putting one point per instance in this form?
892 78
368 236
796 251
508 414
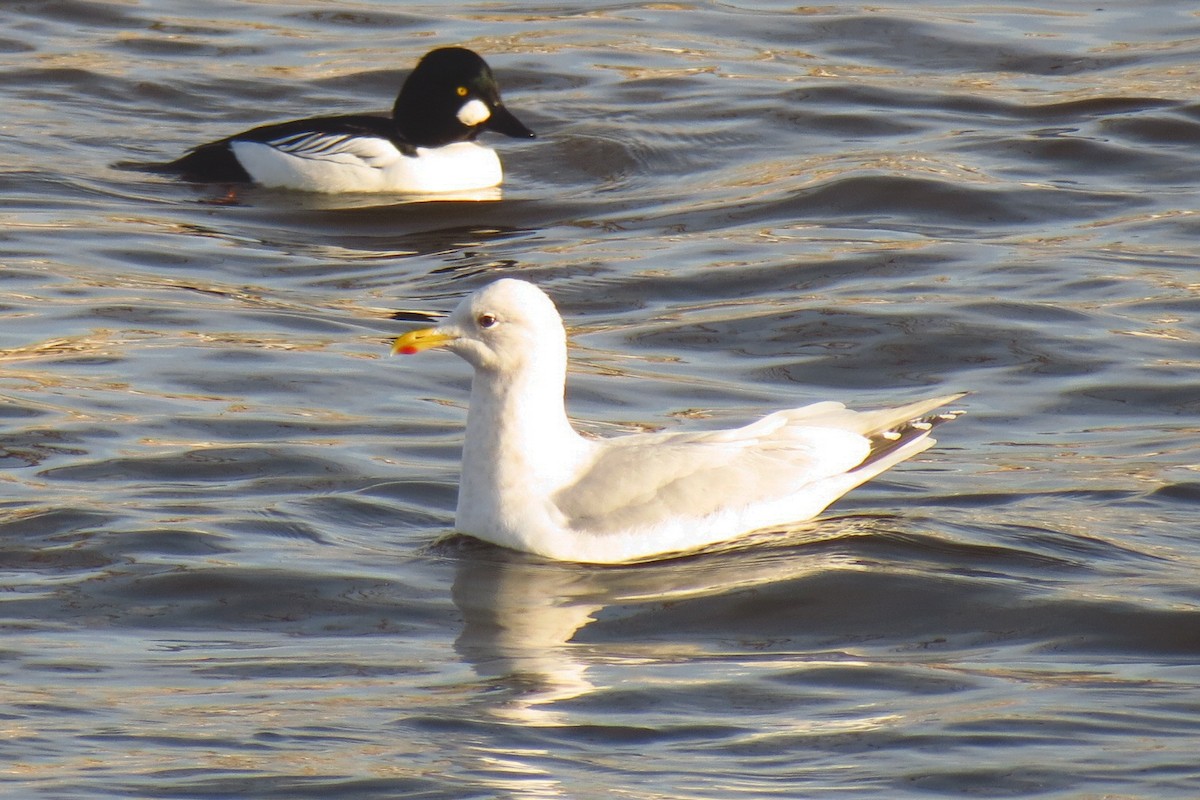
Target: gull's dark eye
485 320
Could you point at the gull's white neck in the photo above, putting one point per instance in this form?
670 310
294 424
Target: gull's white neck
519 446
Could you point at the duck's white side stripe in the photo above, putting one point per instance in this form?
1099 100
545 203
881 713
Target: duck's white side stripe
343 163
342 148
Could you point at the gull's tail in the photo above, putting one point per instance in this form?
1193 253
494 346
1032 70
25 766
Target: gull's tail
900 433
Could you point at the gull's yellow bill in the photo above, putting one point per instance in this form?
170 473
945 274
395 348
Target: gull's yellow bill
418 340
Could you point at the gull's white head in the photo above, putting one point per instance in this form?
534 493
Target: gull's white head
505 327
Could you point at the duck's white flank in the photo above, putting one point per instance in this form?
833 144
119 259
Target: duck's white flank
368 164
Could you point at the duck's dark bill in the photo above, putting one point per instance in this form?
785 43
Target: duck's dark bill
502 121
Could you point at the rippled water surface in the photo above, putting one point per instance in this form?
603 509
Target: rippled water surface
224 528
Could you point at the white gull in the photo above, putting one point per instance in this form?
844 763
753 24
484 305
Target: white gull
531 482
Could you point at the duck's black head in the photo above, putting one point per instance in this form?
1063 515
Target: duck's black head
452 96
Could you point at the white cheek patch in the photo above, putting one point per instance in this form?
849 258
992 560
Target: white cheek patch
473 112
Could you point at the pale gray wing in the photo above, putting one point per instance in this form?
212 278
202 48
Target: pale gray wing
639 481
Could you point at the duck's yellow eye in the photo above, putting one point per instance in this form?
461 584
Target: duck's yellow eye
462 91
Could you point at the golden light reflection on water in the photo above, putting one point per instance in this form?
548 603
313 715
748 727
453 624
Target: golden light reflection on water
151 330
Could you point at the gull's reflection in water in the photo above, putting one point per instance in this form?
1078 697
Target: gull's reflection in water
523 617
521 614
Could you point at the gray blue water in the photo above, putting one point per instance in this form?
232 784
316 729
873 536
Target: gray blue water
225 551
